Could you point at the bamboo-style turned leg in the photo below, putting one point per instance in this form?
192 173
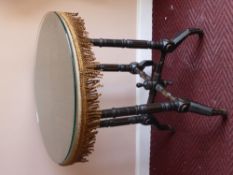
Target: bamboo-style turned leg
164 45
141 119
119 116
178 105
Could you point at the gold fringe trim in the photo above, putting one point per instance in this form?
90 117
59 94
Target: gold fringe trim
89 82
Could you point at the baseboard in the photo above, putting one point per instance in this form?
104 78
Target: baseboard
144 31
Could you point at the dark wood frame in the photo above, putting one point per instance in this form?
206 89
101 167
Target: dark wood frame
155 84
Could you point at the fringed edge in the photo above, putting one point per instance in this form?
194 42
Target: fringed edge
89 82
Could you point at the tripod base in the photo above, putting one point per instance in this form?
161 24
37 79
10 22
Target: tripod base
155 84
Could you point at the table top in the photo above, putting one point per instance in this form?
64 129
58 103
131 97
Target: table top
61 101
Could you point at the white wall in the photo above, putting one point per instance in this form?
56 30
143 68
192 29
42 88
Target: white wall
21 148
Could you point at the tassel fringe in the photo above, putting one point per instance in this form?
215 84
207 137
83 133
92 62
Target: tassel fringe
89 82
